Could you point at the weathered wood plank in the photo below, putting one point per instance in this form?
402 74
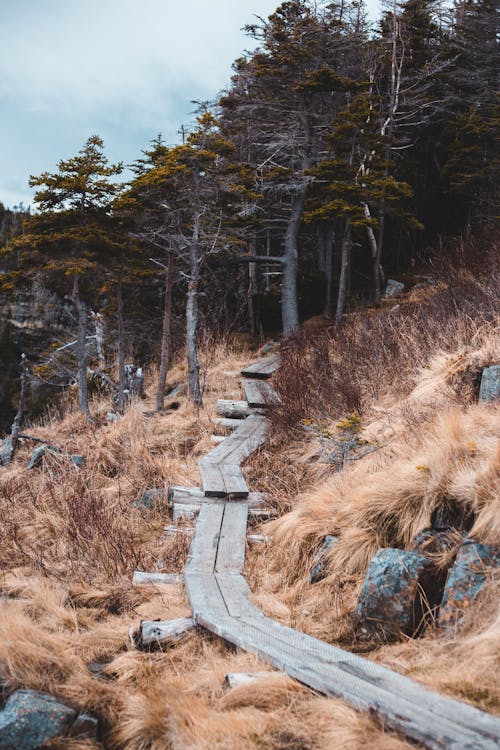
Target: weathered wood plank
258 393
212 480
217 439
143 578
231 549
187 496
239 679
227 422
395 711
233 409
203 551
165 632
234 480
264 368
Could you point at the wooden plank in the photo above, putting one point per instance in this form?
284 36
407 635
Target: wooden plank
255 500
186 495
240 679
231 549
258 393
233 409
217 439
397 713
234 480
264 368
165 632
227 422
143 578
212 480
203 550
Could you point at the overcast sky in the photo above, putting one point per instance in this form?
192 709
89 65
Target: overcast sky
124 69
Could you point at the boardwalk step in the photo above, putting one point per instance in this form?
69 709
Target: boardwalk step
264 368
258 393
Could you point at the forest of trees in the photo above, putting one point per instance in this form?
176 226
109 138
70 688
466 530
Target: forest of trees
336 154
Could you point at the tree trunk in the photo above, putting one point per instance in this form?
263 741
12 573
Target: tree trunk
81 351
194 389
122 376
289 298
329 242
10 444
165 334
99 340
344 272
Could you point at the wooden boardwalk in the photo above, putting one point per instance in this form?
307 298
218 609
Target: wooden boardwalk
221 602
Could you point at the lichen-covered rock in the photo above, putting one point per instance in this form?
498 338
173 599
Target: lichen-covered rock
465 581
151 499
393 289
318 569
30 719
38 456
393 599
435 542
490 384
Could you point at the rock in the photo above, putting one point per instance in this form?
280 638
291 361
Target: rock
465 580
393 289
77 460
174 392
490 384
151 499
30 719
434 542
112 416
38 456
391 602
269 348
317 571
86 727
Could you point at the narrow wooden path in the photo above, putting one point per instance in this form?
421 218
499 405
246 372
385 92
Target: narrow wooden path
221 602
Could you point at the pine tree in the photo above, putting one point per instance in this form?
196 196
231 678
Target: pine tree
68 240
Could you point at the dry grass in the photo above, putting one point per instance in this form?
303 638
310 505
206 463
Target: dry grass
71 539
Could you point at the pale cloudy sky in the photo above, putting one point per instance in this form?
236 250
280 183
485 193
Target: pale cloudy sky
125 69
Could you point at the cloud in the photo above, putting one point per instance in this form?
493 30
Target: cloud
125 69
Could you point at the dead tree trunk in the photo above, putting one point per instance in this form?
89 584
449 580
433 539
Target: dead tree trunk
289 298
122 376
329 241
165 334
344 272
10 444
194 389
81 350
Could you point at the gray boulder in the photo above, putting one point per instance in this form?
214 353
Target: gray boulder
490 384
38 455
152 499
30 719
466 579
318 569
394 593
393 289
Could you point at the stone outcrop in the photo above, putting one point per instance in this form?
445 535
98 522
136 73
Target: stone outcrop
466 579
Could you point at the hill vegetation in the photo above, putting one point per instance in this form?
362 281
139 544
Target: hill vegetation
337 155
